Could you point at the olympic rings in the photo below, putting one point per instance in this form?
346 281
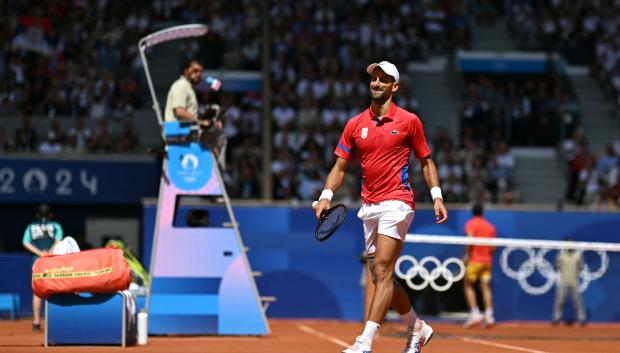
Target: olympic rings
536 262
429 277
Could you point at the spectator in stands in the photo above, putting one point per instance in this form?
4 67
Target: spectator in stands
613 181
26 138
101 140
51 145
572 148
583 160
128 140
39 238
617 145
5 143
78 137
310 185
505 162
248 185
589 183
607 161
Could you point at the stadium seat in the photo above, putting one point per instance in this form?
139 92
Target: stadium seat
10 302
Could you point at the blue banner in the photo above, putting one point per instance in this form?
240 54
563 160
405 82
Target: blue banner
298 269
95 180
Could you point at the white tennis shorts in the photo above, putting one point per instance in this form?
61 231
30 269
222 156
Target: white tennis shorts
391 218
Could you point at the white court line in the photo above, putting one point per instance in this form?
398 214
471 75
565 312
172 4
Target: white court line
319 334
500 345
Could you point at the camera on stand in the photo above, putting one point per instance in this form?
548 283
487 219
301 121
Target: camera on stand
209 112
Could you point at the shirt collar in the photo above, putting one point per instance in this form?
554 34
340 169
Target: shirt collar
391 114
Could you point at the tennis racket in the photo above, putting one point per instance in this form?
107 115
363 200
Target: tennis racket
329 221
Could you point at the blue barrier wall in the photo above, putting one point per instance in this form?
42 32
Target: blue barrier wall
15 278
321 280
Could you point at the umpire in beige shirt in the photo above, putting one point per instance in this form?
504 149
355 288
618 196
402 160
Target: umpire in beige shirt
182 105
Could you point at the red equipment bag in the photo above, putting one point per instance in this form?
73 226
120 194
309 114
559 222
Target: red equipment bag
96 271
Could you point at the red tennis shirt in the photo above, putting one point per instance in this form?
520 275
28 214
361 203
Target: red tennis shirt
384 146
480 228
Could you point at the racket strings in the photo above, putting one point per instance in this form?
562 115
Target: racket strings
331 220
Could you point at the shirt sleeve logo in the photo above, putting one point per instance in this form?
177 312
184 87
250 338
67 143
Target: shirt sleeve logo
364 132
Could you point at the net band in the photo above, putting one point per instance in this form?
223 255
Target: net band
511 242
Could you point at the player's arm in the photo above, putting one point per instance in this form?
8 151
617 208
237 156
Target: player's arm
332 183
431 176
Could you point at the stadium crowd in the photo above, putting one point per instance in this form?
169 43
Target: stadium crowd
587 34
68 59
530 110
593 179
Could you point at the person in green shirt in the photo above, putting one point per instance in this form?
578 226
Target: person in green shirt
39 238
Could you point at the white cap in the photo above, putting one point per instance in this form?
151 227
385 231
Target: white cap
387 67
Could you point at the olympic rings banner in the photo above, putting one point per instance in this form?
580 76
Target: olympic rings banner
536 262
440 272
438 275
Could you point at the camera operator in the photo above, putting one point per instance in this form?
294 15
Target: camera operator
182 105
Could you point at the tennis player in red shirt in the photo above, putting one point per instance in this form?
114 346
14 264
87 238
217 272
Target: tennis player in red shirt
383 137
479 260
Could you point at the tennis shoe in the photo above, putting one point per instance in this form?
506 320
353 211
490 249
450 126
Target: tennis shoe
418 336
360 346
474 320
489 321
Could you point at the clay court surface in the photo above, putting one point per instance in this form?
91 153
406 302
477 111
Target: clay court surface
310 336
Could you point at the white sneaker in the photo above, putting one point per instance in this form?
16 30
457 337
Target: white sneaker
418 337
489 321
360 346
474 319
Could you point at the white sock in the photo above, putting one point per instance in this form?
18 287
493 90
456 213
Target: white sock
488 312
409 318
475 311
370 330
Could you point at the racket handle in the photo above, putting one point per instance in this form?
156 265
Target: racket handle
314 203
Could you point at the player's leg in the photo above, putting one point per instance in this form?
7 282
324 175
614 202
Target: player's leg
558 305
387 252
400 298
471 277
487 296
381 264
369 290
395 221
36 312
363 343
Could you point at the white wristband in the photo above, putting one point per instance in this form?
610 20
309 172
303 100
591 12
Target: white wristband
326 194
436 193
